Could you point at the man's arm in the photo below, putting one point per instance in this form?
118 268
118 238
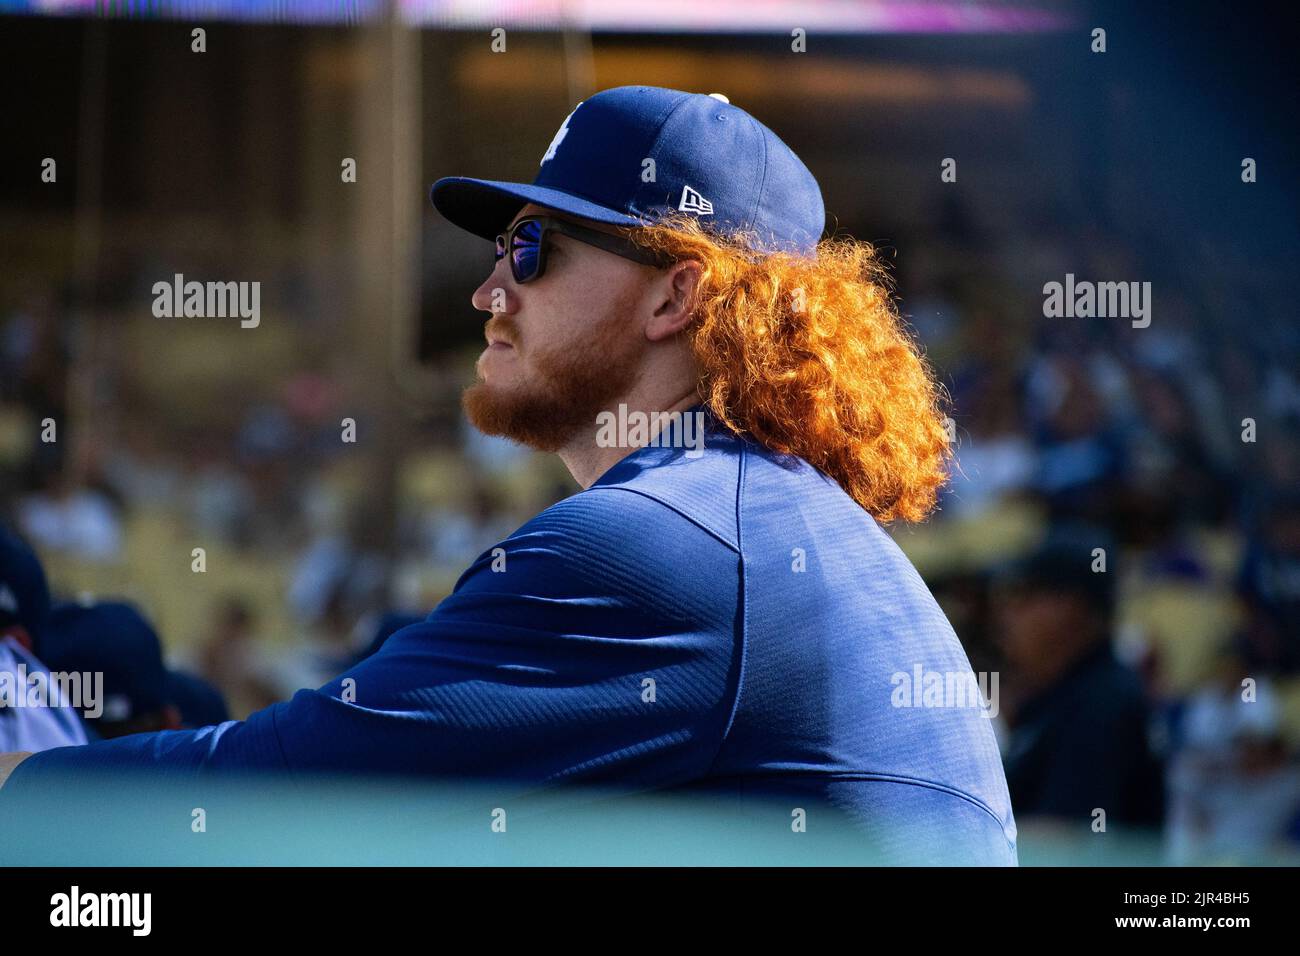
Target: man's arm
599 644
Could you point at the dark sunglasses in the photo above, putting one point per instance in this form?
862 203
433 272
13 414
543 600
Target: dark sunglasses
526 243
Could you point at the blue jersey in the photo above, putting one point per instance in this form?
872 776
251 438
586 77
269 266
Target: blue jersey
52 723
729 621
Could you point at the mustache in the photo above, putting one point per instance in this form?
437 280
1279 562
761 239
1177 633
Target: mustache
500 327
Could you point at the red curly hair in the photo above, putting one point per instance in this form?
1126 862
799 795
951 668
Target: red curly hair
810 357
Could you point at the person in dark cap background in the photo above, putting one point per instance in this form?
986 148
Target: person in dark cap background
199 703
113 638
1078 717
24 618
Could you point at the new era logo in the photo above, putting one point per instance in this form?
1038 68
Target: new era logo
694 202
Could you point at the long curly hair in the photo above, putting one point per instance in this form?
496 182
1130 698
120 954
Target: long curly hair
810 357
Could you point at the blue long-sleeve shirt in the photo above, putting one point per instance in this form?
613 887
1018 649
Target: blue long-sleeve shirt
730 622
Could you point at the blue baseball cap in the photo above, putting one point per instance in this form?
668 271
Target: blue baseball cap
24 592
1062 563
112 638
627 156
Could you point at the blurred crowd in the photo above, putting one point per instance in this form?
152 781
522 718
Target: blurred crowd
115 490
1121 542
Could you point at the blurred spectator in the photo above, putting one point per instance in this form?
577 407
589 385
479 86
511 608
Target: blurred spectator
1168 452
1233 789
114 639
65 518
34 362
325 648
995 460
24 622
198 702
139 465
1080 451
1269 586
456 536
1078 718
231 659
221 501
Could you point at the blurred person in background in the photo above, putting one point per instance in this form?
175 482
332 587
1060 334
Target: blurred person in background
340 580
114 639
1268 584
1078 719
232 659
325 645
1168 451
451 535
221 499
1234 786
1080 460
198 702
995 461
75 519
24 624
34 366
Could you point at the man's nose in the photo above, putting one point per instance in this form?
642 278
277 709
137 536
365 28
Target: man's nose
497 293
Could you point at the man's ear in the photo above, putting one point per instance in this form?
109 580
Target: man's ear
674 300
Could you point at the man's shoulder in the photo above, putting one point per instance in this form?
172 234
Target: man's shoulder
617 536
654 489
636 518
723 483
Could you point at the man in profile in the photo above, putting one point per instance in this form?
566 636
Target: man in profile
722 614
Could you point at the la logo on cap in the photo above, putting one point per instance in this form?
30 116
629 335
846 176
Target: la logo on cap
560 133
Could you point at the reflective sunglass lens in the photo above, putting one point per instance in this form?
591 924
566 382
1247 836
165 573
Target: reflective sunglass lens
526 250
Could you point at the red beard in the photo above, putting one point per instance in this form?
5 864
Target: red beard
565 388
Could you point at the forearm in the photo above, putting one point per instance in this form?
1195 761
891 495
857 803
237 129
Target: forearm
234 745
7 764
